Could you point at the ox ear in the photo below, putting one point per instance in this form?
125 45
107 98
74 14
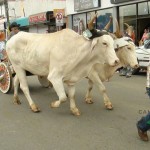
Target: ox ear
94 42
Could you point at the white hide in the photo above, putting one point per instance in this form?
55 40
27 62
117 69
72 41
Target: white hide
121 42
103 72
62 56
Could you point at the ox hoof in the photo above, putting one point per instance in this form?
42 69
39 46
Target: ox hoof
75 111
108 106
16 100
89 100
55 104
34 108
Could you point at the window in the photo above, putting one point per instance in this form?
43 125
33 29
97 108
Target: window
90 15
127 14
103 19
149 7
143 8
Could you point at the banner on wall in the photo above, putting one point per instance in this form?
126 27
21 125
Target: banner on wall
119 1
85 4
79 23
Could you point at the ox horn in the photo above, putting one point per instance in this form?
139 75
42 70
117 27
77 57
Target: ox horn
2 77
91 24
129 29
117 33
108 24
126 25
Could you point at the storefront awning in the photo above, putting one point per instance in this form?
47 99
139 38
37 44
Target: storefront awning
24 21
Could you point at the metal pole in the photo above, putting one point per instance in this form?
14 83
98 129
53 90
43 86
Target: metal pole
6 12
7 16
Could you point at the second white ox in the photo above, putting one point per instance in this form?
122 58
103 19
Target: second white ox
63 56
125 50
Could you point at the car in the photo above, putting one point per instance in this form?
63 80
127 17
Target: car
143 57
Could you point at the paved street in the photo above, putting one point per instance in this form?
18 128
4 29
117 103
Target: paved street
58 129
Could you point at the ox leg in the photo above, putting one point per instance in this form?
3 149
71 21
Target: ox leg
96 80
21 74
71 94
16 87
88 97
59 88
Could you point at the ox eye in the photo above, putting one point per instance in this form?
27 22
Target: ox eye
129 48
104 43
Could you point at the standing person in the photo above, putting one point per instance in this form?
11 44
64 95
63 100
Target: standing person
126 71
143 125
14 29
144 37
147 41
129 32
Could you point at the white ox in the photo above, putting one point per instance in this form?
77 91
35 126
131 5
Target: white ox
125 50
63 56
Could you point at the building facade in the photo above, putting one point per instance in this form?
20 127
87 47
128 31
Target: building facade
135 13
38 13
78 12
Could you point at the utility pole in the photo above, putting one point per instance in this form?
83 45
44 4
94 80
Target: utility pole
6 12
7 16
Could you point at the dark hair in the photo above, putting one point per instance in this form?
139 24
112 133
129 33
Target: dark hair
13 24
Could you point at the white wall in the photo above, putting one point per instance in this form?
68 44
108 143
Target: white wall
34 6
70 7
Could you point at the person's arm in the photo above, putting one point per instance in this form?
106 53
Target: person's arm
10 35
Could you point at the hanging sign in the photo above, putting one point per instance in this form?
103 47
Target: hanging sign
59 19
41 17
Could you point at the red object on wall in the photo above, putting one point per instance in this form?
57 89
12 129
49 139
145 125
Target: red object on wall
41 17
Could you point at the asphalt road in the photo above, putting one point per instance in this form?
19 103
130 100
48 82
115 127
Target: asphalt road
58 129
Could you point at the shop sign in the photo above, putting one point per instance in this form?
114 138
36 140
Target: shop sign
41 17
59 19
59 15
85 4
119 1
59 11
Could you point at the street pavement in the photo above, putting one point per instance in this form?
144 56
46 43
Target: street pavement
58 129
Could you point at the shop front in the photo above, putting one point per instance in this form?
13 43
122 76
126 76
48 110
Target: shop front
42 22
23 22
80 20
135 13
